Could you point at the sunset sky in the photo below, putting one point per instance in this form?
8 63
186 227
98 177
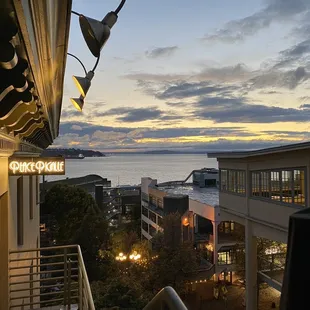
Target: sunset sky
192 75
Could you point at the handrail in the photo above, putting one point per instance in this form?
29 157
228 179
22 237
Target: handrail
48 280
166 299
84 274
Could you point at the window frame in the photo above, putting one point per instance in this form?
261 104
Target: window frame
280 201
237 173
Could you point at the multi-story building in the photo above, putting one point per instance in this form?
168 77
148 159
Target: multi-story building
33 53
200 223
260 190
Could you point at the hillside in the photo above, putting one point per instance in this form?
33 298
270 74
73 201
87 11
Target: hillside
71 153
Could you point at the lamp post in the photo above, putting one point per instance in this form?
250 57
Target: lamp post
96 33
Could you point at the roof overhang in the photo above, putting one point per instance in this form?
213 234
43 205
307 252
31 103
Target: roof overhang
32 114
261 152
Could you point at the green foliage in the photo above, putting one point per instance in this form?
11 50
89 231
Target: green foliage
78 222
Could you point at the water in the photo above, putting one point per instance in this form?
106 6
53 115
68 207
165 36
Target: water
128 169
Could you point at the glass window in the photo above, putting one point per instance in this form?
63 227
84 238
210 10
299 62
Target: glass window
265 184
241 182
224 180
232 181
299 187
160 203
160 221
152 200
224 258
152 216
275 185
145 226
255 184
145 211
287 185
152 230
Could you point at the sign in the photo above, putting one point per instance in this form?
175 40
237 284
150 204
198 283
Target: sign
36 166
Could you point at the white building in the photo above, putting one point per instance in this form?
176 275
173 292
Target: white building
201 221
260 190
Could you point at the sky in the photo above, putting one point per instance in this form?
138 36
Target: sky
199 75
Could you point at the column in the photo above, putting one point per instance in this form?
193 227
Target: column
250 267
215 244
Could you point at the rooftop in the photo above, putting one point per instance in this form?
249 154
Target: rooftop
207 195
91 178
267 151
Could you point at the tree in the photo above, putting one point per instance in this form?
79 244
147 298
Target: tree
265 260
78 221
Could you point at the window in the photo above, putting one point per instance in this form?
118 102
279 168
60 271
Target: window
30 197
265 184
160 203
20 212
225 258
224 179
255 184
160 221
275 185
287 185
152 200
152 216
152 230
145 226
232 181
145 211
299 187
240 182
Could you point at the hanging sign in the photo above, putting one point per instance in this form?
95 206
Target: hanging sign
36 166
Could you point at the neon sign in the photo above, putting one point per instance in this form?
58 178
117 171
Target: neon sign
36 166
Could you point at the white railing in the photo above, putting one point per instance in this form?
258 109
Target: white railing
166 299
52 276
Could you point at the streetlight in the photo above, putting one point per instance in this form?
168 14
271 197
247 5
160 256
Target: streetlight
135 256
121 257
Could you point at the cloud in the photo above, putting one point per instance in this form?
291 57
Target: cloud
76 127
279 79
238 110
128 114
69 113
161 52
279 11
183 90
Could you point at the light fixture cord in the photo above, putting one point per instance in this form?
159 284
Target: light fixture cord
120 7
79 62
76 13
96 64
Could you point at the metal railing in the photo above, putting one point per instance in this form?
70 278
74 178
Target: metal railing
51 276
166 299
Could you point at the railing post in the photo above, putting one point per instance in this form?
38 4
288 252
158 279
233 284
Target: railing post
65 277
80 283
69 284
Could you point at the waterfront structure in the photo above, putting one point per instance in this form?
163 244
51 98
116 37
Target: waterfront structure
87 182
200 221
260 190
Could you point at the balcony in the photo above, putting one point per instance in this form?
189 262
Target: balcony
48 278
55 278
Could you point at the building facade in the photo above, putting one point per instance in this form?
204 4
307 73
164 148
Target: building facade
30 105
200 221
260 190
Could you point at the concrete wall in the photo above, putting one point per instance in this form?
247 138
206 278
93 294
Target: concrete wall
31 232
202 209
